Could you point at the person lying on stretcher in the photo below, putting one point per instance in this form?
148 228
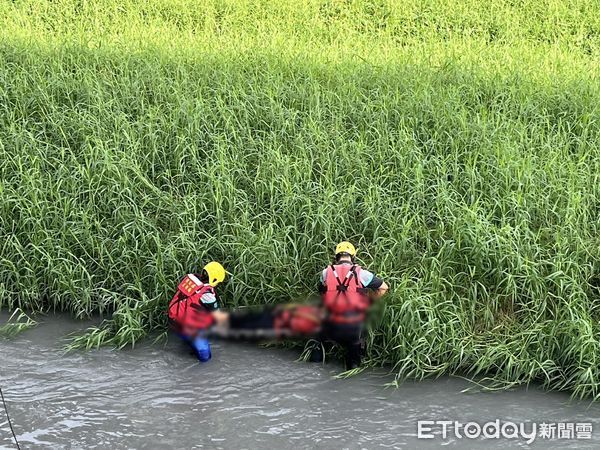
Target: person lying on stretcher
279 321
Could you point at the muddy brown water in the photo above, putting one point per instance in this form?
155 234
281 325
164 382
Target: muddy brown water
246 397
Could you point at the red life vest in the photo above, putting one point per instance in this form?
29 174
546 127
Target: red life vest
186 312
345 297
298 320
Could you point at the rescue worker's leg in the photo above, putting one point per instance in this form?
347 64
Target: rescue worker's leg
322 343
354 354
316 347
199 345
349 337
353 346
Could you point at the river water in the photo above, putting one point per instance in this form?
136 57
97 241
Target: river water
158 396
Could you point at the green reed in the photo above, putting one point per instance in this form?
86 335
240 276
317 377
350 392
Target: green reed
456 143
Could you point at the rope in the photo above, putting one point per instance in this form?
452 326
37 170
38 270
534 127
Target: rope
9 422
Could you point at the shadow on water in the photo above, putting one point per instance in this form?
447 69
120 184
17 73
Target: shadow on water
158 396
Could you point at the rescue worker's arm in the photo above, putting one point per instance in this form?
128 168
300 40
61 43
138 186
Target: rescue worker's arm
221 317
378 293
321 288
377 288
210 301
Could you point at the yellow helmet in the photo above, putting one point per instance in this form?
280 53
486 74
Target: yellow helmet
345 247
216 273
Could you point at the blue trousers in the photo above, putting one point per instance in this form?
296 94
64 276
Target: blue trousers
200 345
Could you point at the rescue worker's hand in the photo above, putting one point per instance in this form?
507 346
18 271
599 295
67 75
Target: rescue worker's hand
221 317
376 294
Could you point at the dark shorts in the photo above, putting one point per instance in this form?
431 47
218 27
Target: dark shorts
250 320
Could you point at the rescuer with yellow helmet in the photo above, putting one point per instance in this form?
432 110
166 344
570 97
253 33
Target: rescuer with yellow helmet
347 291
190 309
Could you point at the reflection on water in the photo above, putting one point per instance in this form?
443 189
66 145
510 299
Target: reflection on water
246 397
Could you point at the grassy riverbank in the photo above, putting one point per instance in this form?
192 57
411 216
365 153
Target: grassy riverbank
457 143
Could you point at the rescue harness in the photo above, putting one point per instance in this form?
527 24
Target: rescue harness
187 314
345 298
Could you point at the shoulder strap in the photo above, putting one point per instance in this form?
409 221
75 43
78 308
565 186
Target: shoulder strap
355 274
337 277
351 273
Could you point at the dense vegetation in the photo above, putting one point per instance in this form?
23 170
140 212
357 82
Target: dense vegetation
455 142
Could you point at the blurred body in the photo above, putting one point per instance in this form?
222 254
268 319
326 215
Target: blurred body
280 321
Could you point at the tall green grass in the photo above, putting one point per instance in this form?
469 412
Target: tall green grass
456 143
